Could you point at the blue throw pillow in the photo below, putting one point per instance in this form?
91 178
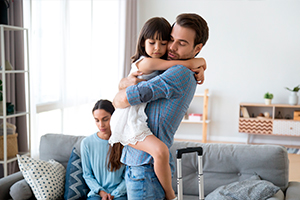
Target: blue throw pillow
75 186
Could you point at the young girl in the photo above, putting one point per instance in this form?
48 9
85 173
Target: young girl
129 125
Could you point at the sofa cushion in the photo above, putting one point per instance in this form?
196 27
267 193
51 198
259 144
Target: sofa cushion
75 186
59 147
20 190
252 188
46 178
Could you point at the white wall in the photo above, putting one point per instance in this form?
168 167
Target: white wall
253 48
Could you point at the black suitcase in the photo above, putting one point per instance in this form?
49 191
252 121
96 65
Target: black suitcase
179 154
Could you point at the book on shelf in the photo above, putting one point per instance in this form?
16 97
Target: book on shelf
245 113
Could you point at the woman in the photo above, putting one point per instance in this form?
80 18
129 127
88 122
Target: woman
102 170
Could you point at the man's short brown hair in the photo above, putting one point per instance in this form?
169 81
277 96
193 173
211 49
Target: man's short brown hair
195 22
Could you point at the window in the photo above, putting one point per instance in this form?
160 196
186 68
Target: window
74 47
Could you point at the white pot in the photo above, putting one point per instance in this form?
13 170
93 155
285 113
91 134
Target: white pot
268 101
293 98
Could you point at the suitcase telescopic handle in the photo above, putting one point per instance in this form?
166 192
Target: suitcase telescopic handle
179 152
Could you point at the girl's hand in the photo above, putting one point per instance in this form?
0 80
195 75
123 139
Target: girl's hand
199 66
105 196
200 76
197 63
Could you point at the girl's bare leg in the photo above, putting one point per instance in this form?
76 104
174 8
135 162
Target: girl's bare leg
160 153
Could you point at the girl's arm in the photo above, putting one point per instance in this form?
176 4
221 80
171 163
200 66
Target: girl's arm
148 65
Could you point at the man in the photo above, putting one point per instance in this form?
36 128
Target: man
168 96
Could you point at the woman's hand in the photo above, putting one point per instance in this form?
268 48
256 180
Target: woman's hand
105 196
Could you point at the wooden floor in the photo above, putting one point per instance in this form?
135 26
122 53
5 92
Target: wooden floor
294 165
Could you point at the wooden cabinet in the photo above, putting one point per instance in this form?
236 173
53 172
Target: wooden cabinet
204 121
5 77
280 121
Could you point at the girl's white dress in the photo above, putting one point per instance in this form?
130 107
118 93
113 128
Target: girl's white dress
129 125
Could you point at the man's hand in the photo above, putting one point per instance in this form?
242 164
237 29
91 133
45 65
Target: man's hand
199 75
120 100
105 196
130 80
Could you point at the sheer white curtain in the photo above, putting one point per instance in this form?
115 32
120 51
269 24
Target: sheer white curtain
76 57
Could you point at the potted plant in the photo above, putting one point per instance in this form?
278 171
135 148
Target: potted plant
268 98
293 98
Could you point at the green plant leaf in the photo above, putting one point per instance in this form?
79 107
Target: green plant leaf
295 89
268 96
288 89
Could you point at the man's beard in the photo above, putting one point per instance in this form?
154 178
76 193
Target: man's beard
177 56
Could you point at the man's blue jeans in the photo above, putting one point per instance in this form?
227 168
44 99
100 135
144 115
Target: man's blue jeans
142 183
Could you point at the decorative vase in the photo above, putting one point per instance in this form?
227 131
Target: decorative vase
268 101
293 98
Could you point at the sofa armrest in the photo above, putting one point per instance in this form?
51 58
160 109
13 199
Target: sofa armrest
293 191
7 182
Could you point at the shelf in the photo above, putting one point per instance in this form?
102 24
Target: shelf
269 126
23 70
194 122
204 121
13 71
17 114
271 105
255 118
12 28
14 158
200 95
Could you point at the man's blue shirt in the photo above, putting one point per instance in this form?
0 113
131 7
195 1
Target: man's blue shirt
168 96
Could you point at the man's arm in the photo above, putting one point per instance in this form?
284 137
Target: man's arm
170 84
130 80
120 100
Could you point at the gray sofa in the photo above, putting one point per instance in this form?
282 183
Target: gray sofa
222 164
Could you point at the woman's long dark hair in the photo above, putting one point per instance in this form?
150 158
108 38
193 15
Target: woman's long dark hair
114 153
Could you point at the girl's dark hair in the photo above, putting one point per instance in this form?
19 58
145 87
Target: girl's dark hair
156 25
115 151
